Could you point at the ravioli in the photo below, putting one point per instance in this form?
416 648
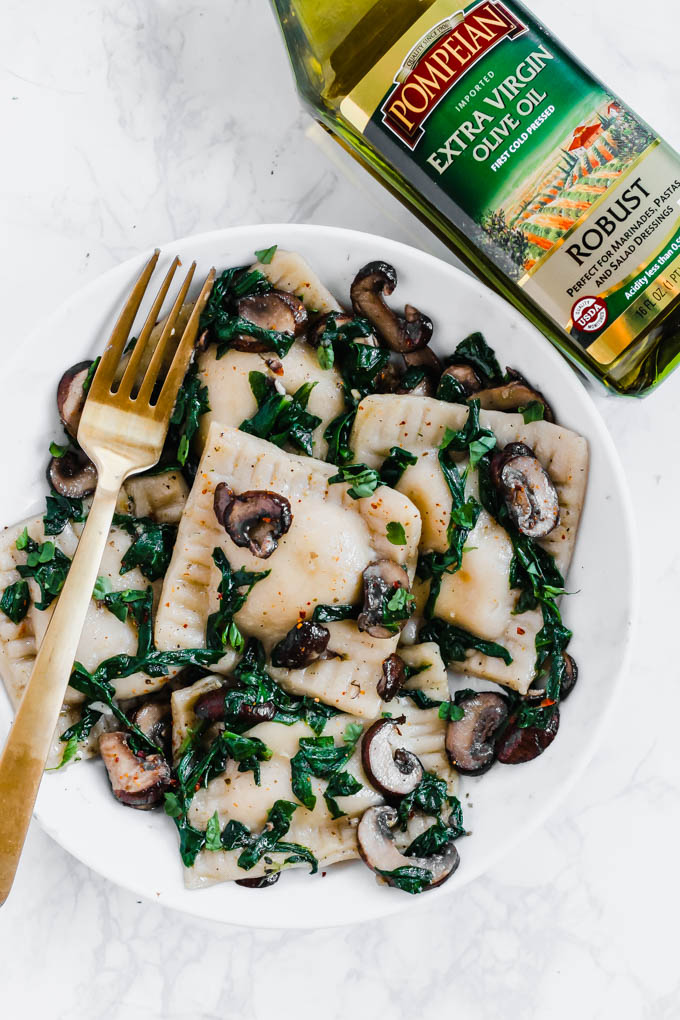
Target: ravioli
231 399
319 561
478 597
234 795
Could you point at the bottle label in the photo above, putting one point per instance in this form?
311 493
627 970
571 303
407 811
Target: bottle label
562 187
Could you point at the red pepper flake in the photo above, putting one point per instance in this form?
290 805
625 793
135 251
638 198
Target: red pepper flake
547 702
520 630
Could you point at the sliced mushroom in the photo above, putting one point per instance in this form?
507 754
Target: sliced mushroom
527 488
378 849
71 396
466 376
393 677
381 580
136 781
276 310
570 676
302 645
392 770
402 333
519 744
211 707
470 740
512 395
73 475
263 882
153 719
254 520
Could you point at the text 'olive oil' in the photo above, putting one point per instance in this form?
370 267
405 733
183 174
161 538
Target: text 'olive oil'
540 178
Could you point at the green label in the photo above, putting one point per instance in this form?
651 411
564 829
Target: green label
520 147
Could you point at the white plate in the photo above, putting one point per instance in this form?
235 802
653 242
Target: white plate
139 850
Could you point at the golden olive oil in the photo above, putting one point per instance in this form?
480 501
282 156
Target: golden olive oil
539 177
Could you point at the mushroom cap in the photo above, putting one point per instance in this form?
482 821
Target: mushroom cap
211 706
153 719
393 677
71 396
263 882
470 740
466 376
136 781
302 645
536 693
401 333
276 310
73 475
521 744
254 520
527 488
382 579
379 851
391 769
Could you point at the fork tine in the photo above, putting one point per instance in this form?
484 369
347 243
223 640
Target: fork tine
153 369
180 362
141 346
106 369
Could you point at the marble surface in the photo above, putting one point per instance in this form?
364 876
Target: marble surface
132 123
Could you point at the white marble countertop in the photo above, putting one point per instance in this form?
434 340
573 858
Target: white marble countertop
133 123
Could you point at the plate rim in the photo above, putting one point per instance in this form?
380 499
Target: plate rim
564 369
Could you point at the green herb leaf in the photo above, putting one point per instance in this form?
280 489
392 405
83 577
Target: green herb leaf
330 614
451 390
60 510
475 351
221 631
265 255
340 784
325 355
364 480
450 711
191 403
429 797
394 466
395 533
102 587
410 879
152 547
281 418
319 757
57 451
15 601
272 339
46 564
213 834
533 411
454 642
433 840
70 751
87 381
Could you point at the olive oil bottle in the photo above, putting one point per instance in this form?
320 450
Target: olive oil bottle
540 178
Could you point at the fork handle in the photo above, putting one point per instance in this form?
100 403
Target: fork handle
30 738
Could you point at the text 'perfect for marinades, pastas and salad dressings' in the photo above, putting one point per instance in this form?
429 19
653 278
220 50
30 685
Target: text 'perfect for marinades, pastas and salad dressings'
535 173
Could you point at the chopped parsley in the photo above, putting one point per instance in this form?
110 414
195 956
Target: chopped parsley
281 417
58 451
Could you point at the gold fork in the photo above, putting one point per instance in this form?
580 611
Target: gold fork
123 432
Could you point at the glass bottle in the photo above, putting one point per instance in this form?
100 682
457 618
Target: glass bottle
536 175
